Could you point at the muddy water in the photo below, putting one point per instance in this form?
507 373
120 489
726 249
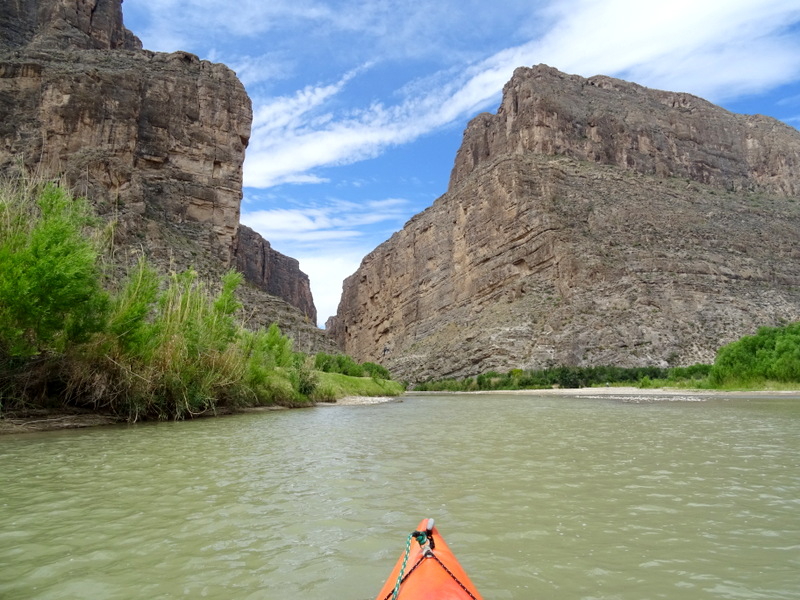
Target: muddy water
540 497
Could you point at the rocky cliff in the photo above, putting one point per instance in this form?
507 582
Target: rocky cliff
588 222
155 140
615 122
272 271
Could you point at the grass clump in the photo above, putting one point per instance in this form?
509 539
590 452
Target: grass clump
341 363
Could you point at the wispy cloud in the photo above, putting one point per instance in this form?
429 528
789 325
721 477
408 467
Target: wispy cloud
248 18
793 100
334 221
717 49
292 137
255 70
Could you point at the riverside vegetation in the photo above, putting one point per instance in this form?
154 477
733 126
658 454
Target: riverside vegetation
768 360
144 347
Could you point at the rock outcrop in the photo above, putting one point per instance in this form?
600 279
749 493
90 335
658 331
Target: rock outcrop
65 25
155 140
588 222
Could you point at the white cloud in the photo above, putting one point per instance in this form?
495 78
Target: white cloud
278 114
254 70
328 240
716 49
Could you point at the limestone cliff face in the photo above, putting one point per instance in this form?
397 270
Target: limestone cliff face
589 222
155 140
278 274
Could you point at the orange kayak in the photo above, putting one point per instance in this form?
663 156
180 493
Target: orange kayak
431 570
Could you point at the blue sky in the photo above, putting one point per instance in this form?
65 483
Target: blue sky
359 105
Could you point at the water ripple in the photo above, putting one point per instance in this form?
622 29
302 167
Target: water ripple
539 497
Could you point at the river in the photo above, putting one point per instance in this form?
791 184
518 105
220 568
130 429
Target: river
540 497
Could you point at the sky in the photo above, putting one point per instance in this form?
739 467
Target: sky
359 106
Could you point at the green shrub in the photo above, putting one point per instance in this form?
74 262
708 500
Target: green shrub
773 354
50 290
303 377
276 388
375 370
341 363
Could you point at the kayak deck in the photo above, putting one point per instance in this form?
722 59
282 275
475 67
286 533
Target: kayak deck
430 570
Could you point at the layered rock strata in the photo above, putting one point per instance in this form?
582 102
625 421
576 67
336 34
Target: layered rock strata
610 121
155 140
588 222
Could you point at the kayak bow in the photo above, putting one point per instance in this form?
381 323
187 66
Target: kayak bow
428 570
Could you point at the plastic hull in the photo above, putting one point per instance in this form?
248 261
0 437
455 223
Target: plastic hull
430 579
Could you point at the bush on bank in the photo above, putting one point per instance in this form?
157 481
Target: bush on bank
148 347
771 355
50 290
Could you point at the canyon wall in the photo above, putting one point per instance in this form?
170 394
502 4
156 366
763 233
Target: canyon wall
156 141
274 272
588 222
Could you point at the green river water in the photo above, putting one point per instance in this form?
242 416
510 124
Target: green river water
540 498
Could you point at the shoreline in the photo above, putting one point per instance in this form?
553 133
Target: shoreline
58 419
41 420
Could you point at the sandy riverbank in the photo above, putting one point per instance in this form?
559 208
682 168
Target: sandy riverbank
635 391
631 393
362 400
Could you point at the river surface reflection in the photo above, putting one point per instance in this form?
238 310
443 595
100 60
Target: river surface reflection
539 497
